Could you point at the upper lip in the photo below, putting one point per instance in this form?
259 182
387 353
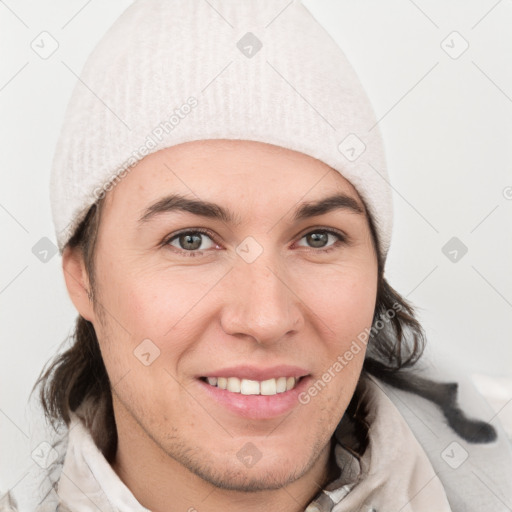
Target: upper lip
260 374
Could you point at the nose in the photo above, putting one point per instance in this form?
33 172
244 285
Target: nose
261 302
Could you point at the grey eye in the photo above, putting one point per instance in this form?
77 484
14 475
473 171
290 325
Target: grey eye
318 239
189 241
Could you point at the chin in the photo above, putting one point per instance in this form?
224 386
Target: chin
266 477
248 469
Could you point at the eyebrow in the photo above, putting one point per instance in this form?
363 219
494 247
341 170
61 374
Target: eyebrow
177 202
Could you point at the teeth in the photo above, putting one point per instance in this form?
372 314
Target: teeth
233 385
268 387
253 387
281 384
249 387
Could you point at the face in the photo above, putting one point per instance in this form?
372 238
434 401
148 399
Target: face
262 301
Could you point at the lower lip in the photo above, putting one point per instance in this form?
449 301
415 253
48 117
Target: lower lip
257 407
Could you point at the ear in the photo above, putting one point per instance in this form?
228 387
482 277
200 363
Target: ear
77 282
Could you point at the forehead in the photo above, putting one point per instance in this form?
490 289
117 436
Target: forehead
238 173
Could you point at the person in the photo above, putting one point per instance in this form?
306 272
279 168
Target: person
223 211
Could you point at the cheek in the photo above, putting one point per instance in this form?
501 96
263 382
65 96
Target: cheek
343 299
345 308
344 303
148 302
161 306
355 308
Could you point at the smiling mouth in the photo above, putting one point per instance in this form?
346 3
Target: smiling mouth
253 387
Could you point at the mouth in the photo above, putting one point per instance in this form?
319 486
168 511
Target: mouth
246 387
255 393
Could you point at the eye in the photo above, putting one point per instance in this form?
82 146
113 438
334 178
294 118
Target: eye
190 242
320 237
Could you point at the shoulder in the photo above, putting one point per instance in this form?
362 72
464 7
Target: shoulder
476 476
36 491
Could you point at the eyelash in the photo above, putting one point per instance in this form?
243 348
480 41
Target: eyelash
341 239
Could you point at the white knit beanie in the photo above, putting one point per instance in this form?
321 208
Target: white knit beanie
173 71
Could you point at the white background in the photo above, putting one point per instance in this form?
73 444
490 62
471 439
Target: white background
447 125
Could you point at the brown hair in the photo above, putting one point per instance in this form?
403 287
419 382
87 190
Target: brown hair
78 374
